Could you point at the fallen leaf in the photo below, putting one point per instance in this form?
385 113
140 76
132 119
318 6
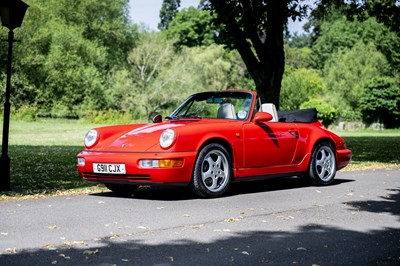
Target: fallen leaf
76 242
65 257
289 217
53 227
49 247
245 253
232 219
11 250
114 236
197 226
90 252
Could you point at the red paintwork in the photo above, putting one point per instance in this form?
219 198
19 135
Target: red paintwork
257 149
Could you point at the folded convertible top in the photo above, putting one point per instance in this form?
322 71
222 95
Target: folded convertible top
298 116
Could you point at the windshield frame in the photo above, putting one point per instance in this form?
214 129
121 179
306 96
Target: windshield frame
205 96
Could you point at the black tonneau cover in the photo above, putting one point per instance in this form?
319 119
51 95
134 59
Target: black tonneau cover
299 116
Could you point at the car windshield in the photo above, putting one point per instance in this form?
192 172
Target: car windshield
221 104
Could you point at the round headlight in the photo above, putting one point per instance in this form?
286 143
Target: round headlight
91 138
167 138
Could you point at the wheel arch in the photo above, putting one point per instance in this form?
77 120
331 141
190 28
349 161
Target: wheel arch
221 141
321 140
324 140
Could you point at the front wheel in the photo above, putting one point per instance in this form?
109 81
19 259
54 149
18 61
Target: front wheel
122 189
212 172
322 167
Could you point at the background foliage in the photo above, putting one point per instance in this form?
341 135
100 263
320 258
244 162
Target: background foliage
86 59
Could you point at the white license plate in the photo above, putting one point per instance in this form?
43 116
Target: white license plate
109 168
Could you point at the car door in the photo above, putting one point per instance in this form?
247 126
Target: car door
269 144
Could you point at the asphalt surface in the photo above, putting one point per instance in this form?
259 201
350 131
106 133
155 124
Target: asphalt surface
355 221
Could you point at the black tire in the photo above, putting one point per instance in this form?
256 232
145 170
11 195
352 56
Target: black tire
212 172
122 189
322 168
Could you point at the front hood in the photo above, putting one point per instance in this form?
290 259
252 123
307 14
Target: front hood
136 140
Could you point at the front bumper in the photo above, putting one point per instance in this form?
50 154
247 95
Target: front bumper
135 174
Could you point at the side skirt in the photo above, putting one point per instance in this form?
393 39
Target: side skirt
264 177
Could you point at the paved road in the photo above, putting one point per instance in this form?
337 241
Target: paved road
356 221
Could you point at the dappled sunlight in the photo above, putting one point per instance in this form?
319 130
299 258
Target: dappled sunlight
311 244
373 152
390 204
44 169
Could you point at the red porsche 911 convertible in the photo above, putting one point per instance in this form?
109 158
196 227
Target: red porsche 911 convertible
211 140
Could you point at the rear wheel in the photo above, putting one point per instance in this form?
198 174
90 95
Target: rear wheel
122 189
212 172
322 169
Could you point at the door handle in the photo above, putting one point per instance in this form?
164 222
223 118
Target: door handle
294 133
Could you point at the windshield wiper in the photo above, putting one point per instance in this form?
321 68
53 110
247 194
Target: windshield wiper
177 117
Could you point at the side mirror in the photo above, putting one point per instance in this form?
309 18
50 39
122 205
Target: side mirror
157 119
262 117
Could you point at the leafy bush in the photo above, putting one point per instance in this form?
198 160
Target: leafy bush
326 113
298 86
25 113
380 102
107 117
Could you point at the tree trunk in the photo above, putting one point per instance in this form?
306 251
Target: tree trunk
261 50
274 63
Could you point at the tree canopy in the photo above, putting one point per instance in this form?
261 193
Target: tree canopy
87 59
168 11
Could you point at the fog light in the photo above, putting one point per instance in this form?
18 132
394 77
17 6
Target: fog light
81 161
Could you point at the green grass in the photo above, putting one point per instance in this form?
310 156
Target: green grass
43 158
44 152
373 149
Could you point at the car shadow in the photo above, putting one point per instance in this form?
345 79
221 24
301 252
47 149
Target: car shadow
162 193
170 193
276 184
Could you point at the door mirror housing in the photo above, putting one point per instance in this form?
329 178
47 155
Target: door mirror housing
261 117
157 119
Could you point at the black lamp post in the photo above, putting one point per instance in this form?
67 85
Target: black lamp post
12 13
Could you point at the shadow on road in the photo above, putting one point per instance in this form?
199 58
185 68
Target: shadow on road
389 204
311 244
